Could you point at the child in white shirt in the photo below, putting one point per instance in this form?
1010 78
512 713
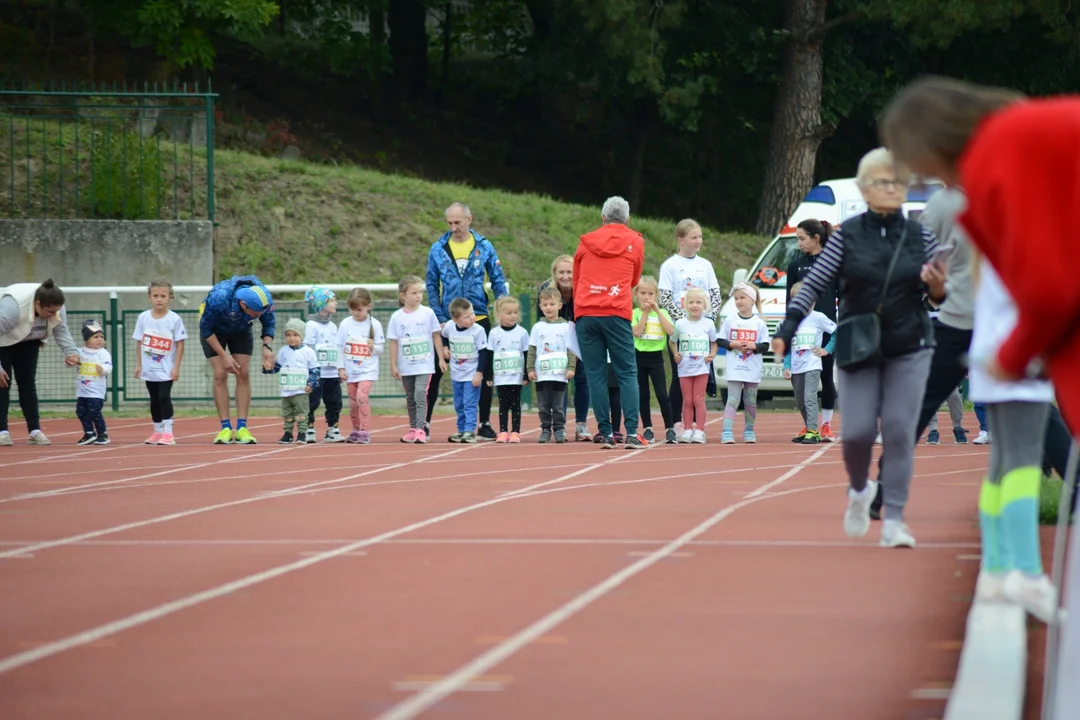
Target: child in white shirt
95 364
299 369
320 334
509 343
693 345
745 336
465 340
160 334
550 364
360 341
415 336
802 365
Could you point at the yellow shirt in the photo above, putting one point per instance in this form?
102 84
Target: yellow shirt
461 252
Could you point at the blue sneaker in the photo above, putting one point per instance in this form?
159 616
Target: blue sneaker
749 437
727 437
933 438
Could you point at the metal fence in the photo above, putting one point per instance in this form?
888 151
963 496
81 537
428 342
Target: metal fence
56 381
100 151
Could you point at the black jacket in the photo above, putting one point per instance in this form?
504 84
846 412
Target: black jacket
798 270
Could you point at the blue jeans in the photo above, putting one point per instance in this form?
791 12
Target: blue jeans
980 413
466 404
597 338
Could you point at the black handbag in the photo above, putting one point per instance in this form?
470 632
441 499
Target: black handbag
858 337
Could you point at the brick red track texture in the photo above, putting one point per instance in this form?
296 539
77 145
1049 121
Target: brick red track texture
481 581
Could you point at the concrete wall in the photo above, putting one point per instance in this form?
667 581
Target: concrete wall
107 253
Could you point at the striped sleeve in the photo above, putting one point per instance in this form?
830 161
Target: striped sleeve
821 276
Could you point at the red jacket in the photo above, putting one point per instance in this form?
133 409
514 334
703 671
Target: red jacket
607 266
1021 174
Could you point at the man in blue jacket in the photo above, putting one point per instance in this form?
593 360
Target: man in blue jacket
225 320
457 265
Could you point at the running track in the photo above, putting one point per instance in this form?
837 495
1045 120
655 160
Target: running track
484 581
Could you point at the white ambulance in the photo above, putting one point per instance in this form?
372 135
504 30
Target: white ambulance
833 201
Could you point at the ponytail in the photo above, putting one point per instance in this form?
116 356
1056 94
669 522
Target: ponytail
821 228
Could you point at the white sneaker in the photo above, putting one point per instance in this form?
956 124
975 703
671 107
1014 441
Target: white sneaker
38 438
1037 595
5 438
988 587
983 438
894 534
309 436
857 517
333 435
698 437
687 436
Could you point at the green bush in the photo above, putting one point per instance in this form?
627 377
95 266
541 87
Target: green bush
129 178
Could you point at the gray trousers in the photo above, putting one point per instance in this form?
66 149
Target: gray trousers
884 392
416 398
1018 429
806 386
955 404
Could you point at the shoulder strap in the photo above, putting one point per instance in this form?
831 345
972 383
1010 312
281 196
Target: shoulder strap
892 265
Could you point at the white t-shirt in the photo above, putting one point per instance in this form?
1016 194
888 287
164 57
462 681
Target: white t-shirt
694 340
743 366
552 343
413 331
679 274
322 338
295 364
89 384
359 359
509 348
157 344
807 337
995 319
465 347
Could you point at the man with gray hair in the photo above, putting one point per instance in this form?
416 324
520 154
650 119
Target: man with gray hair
457 265
607 268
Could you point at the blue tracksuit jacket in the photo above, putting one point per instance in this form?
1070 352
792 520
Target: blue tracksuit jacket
444 282
221 313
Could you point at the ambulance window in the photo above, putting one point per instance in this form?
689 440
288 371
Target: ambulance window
771 272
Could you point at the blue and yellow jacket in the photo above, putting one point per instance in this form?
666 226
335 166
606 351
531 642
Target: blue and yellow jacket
220 312
444 282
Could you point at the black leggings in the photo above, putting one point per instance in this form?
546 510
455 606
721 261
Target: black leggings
650 366
20 363
160 400
509 401
828 384
327 391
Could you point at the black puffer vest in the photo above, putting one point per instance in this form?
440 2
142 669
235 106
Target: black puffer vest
869 242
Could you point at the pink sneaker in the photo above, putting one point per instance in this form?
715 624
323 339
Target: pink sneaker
502 437
515 438
153 439
166 439
409 437
421 437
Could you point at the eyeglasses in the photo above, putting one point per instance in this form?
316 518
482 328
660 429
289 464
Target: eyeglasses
883 184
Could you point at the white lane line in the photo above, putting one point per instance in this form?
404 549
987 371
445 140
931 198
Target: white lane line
141 618
449 684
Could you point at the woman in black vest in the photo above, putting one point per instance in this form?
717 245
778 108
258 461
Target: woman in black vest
860 254
812 236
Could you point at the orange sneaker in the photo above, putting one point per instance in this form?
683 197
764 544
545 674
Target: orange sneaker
826 433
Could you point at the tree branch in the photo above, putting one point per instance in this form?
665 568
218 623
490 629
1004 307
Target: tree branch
815 34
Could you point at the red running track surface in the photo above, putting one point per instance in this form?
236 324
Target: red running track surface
396 581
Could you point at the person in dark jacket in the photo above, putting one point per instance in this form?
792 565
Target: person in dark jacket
812 236
457 265
225 320
859 254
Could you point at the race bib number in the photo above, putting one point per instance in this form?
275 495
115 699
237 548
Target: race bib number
805 341
357 350
462 348
693 345
157 344
327 354
416 349
743 335
508 362
88 369
653 330
552 363
292 379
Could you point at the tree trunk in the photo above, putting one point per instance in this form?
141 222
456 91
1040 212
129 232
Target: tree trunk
408 49
797 131
376 72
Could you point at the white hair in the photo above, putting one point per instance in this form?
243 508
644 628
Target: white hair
616 210
459 206
879 159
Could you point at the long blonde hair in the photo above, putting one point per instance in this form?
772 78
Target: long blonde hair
404 284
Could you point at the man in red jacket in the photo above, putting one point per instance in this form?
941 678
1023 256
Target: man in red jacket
607 267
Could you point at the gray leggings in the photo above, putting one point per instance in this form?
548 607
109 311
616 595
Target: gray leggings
416 398
806 389
956 411
1018 429
884 392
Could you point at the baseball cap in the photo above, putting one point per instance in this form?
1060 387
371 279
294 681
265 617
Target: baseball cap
255 297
